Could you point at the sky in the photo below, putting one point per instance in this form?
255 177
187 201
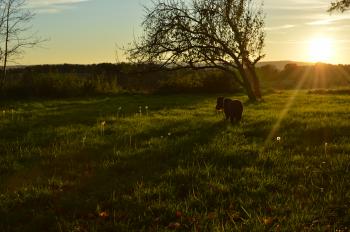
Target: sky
90 31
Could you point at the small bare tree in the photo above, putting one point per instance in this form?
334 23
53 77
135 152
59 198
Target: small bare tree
15 32
341 6
199 34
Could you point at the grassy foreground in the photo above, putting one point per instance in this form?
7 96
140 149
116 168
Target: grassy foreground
100 165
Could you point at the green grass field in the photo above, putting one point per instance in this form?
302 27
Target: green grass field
99 165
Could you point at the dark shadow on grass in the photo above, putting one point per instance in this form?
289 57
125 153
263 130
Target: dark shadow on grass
95 185
114 188
258 129
149 167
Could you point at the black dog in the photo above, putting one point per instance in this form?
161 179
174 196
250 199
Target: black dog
232 108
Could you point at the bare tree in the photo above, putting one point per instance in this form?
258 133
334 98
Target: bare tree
199 34
341 6
15 32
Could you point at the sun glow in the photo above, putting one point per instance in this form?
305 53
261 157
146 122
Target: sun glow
321 50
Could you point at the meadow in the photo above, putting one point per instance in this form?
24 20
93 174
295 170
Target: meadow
170 162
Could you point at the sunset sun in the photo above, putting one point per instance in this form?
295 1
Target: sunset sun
320 50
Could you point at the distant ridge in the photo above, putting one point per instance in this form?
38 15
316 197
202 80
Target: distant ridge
281 63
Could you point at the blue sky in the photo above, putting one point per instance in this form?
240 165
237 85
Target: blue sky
87 31
82 31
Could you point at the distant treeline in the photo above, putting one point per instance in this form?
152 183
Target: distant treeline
318 76
80 80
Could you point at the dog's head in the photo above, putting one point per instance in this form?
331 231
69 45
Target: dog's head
220 103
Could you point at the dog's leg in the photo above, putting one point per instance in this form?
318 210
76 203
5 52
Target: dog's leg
227 116
232 119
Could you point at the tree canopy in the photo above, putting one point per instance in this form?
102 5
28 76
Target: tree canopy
222 34
341 6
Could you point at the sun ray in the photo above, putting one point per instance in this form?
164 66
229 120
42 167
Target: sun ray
320 76
287 107
315 79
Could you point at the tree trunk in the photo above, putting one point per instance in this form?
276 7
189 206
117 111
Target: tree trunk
6 42
255 83
248 84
